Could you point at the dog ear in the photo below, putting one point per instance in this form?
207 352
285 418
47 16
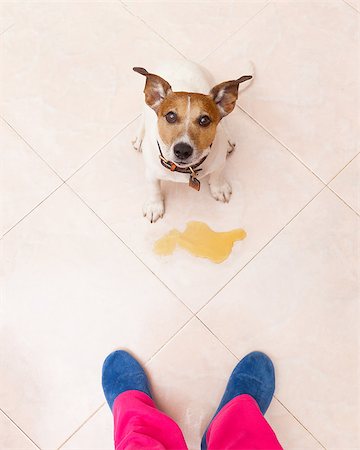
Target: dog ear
156 88
225 94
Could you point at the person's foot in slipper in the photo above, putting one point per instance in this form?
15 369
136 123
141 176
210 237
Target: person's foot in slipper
121 372
254 375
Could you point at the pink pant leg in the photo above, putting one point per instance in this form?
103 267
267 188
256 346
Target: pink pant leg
139 425
241 426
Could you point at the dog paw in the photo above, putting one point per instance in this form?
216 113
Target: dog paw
221 191
136 143
153 210
231 147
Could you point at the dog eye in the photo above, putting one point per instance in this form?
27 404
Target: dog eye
171 117
204 121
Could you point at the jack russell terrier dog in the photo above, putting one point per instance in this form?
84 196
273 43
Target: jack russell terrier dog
179 134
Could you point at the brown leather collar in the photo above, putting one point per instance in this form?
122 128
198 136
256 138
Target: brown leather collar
192 170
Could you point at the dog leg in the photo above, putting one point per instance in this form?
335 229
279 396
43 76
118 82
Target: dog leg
154 206
137 142
230 142
220 189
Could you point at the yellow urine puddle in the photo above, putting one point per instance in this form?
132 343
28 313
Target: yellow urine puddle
200 240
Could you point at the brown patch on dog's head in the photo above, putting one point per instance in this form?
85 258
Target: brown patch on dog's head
190 115
188 120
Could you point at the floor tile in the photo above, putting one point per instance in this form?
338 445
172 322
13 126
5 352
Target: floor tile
354 3
96 434
290 433
183 373
68 87
76 293
306 86
25 179
195 364
269 188
11 438
72 291
297 301
347 184
195 28
6 19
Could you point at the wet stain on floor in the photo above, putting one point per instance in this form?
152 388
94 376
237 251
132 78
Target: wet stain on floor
200 240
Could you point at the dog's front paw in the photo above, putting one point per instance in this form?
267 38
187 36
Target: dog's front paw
136 143
221 191
152 210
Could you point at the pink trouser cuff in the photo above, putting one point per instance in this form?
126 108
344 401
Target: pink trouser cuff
240 425
138 424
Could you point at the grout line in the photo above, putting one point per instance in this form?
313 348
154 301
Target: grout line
302 425
235 32
351 6
31 147
145 364
192 314
195 315
7 29
170 339
282 144
80 426
20 429
61 179
340 198
238 359
129 248
293 154
102 147
351 160
326 184
83 164
221 342
31 210
157 352
261 249
128 10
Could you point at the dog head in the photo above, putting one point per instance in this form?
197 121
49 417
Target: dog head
187 121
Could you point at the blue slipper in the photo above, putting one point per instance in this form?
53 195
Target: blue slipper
121 372
253 375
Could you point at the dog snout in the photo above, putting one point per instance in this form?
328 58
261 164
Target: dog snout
183 151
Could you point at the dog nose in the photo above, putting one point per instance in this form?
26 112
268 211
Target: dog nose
182 150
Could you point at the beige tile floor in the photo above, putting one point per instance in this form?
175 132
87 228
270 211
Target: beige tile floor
79 276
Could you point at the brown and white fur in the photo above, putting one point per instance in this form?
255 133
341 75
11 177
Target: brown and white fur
182 112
